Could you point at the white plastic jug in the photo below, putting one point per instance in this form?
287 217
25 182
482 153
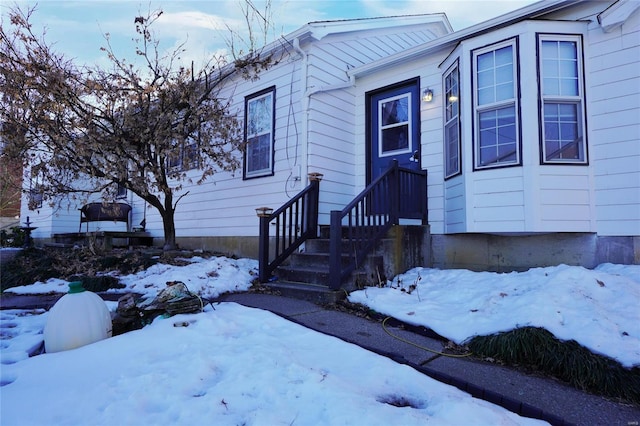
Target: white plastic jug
78 318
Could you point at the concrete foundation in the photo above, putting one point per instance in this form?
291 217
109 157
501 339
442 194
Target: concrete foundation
483 252
233 246
404 248
410 246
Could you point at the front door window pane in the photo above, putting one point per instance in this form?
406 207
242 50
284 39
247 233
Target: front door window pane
394 135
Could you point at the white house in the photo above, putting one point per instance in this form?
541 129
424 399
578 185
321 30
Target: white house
528 126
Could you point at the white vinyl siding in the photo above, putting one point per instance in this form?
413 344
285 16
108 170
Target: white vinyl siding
613 105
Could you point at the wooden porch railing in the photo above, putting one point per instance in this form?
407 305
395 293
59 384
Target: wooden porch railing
398 193
295 222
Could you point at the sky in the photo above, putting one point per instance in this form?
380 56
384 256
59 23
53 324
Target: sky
239 365
78 27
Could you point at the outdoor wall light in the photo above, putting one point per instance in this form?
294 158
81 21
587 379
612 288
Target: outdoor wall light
264 211
427 95
315 176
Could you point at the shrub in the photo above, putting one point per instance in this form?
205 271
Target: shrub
13 238
31 265
536 348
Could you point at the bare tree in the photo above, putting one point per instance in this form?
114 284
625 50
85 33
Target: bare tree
86 130
10 186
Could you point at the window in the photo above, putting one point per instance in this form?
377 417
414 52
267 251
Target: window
496 120
35 197
560 69
259 134
394 117
184 157
121 192
452 122
190 156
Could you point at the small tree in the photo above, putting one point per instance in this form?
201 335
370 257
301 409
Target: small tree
10 184
87 130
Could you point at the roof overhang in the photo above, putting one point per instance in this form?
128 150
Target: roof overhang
528 12
616 14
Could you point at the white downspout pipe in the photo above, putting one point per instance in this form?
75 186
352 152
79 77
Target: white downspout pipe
304 131
306 99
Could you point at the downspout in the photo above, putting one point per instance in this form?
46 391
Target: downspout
304 137
306 100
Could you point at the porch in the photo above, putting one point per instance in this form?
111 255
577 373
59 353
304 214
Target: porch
364 242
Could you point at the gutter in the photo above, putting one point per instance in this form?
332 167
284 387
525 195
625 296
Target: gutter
527 12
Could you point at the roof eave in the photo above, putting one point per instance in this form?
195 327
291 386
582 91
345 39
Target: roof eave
617 14
527 12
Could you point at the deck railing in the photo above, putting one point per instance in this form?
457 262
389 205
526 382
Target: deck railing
397 193
295 222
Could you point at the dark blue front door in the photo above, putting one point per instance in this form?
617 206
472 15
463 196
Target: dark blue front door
394 131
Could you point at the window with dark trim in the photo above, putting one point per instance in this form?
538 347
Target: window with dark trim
562 101
495 106
452 152
184 156
121 192
36 197
259 133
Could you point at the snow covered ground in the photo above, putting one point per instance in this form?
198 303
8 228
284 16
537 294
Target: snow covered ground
597 308
237 365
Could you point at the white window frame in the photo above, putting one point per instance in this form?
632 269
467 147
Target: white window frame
408 124
548 99
268 132
36 197
451 115
497 106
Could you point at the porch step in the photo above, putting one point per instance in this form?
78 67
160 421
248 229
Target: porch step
311 275
321 245
319 294
314 259
306 275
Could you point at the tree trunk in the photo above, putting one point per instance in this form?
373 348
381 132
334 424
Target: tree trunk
169 229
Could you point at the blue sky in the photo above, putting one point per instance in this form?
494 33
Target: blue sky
77 27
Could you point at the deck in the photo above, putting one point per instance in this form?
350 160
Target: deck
106 239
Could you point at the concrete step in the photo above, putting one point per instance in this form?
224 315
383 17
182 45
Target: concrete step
326 229
319 260
321 245
318 294
307 274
